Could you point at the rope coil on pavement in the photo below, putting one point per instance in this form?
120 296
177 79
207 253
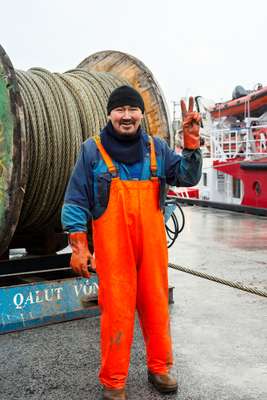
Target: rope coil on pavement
218 280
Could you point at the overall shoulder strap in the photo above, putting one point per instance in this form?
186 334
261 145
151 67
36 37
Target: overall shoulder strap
153 159
111 167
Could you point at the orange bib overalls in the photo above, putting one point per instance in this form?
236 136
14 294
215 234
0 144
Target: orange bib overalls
131 260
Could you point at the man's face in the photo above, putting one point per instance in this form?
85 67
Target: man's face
126 119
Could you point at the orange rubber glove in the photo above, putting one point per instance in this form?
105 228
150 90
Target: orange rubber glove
80 254
191 127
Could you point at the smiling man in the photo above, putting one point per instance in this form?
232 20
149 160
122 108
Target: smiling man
125 118
118 183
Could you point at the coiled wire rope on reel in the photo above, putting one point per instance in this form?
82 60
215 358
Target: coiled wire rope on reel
44 118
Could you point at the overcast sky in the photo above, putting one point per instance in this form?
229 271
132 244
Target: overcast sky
204 47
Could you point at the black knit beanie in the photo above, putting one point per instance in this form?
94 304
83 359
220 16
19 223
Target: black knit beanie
125 96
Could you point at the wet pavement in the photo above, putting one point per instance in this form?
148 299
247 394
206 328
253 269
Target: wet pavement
219 333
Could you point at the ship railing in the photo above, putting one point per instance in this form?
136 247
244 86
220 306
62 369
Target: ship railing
241 142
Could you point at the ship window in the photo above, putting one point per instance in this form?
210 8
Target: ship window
236 188
205 178
257 187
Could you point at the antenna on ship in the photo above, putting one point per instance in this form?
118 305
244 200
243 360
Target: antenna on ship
176 122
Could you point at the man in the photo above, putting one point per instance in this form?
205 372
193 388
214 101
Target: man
119 183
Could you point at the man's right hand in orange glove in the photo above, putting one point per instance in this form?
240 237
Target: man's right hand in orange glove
80 254
191 121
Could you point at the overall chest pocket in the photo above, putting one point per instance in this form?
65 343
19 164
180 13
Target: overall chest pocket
103 182
162 192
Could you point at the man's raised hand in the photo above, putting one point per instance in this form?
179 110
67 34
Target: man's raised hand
191 125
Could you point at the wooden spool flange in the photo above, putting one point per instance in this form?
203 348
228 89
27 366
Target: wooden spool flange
12 151
141 78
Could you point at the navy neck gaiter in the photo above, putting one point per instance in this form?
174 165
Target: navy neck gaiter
122 148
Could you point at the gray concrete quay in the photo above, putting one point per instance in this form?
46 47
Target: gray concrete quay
219 333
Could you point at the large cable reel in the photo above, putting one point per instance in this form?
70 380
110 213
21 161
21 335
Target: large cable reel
19 161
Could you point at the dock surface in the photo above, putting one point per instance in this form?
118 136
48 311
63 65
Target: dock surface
219 333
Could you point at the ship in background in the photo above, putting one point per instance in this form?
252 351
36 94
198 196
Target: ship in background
234 147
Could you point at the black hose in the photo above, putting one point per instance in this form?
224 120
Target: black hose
174 230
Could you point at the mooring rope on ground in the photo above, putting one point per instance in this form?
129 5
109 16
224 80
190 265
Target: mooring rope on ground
218 280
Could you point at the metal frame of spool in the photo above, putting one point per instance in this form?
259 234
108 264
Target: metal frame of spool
36 291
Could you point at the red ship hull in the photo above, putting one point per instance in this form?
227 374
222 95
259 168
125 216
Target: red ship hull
254 177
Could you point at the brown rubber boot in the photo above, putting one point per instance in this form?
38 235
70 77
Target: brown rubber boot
163 383
114 394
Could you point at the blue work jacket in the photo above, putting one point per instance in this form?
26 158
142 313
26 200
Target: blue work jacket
87 192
